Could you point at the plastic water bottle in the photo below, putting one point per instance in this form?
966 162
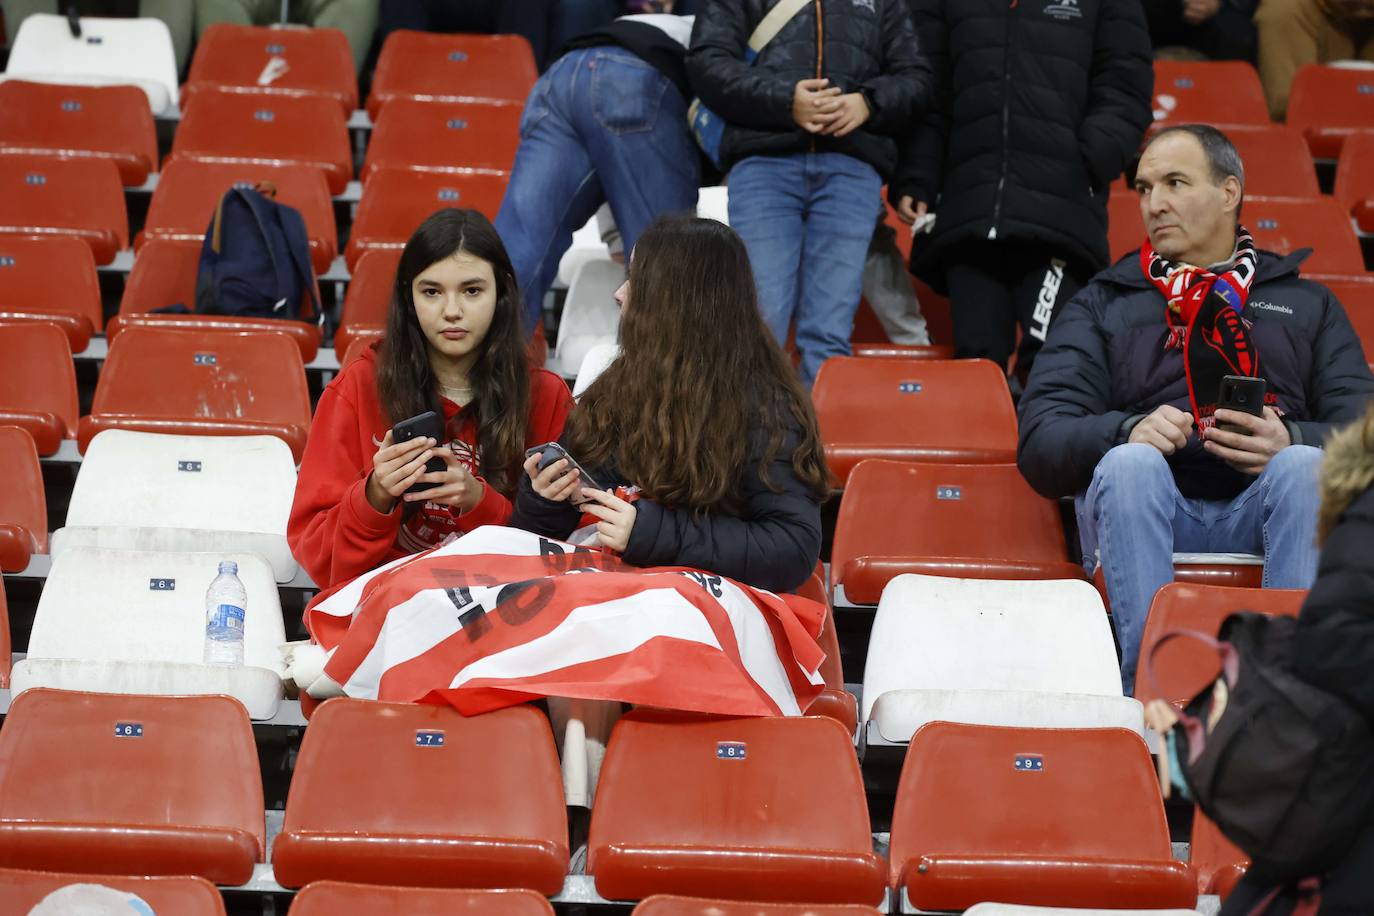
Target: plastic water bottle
225 603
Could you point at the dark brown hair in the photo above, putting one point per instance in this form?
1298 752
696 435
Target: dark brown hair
698 376
500 377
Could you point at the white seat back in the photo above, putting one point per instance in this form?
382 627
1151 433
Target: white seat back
714 203
146 491
596 361
590 314
109 52
124 621
942 634
586 246
899 714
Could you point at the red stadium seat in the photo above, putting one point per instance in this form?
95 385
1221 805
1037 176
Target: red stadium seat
164 274
6 658
188 192
1125 225
368 297
158 380
1329 104
768 809
1357 295
444 137
913 410
1218 862
452 68
969 521
51 280
1355 178
317 62
834 701
23 509
331 898
116 784
103 122
1277 161
1042 817
225 126
387 792
1208 92
1283 225
38 383
356 346
184 896
81 198
1184 667
1221 570
396 201
667 905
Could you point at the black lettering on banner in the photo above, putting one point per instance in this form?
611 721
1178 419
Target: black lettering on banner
520 602
472 616
710 583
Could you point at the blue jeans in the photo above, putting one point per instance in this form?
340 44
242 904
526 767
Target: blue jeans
600 126
807 220
1132 519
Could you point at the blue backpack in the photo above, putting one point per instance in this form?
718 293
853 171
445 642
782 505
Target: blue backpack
255 262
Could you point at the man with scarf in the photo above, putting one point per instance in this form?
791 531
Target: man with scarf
1121 407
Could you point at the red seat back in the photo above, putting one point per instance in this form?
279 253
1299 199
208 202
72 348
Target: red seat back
1357 295
1208 92
396 201
1277 161
330 898
1283 225
23 508
444 136
38 383
30 289
1328 104
185 896
81 198
1218 862
435 67
369 295
317 63
1125 225
1355 178
668 905
104 122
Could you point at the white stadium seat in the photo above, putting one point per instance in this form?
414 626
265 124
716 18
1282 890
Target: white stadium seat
147 491
590 314
124 621
597 360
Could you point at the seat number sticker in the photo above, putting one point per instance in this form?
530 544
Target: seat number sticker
1030 763
429 738
730 750
128 729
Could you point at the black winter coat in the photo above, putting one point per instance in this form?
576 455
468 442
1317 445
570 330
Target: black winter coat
1105 364
1039 105
774 544
863 46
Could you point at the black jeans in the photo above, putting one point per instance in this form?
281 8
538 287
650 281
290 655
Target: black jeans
993 286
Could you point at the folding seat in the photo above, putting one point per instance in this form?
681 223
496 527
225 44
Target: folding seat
452 68
111 52
329 898
979 521
38 383
226 126
167 381
396 201
1277 161
274 61
597 360
23 507
990 652
387 793
731 808
6 658
1357 295
360 342
81 198
189 190
369 295
183 895
1219 864
587 245
164 273
1283 225
668 905
913 410
155 643
110 122
1231 570
1185 667
1125 225
591 316
125 785
51 280
834 701
1355 178
1088 826
444 137
1328 104
1210 92
222 494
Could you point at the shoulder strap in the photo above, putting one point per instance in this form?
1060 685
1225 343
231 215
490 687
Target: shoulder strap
772 23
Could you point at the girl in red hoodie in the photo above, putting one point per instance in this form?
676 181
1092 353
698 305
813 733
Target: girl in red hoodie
453 345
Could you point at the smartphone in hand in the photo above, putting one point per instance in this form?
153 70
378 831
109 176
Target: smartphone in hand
550 452
422 426
1244 394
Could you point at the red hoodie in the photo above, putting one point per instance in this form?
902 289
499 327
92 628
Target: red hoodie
334 532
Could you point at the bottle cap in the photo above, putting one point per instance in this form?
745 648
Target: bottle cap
229 566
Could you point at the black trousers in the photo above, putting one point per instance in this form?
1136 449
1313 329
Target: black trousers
530 18
993 286
1229 35
1347 890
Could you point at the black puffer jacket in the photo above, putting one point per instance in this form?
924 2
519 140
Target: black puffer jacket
1039 106
1105 363
863 46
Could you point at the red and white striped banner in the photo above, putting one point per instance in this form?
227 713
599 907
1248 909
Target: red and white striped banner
500 616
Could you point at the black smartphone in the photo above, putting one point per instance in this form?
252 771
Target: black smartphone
1244 394
550 452
422 426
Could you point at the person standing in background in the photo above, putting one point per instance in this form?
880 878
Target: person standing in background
1040 104
1297 32
1212 29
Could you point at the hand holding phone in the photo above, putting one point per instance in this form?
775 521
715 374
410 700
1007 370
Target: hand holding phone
422 426
556 475
1244 394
